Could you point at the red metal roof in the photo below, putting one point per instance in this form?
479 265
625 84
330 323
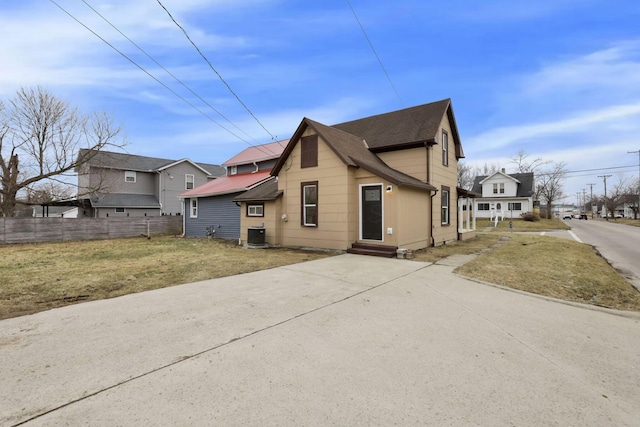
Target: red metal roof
258 153
228 184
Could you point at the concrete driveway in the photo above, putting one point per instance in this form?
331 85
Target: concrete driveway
347 340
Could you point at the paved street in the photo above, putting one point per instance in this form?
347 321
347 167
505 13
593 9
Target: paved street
347 340
619 244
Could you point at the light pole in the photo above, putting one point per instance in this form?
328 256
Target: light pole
633 152
591 200
605 194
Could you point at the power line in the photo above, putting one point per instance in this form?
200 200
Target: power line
216 71
167 71
374 52
148 73
599 169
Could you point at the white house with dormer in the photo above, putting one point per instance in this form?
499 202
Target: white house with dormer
504 195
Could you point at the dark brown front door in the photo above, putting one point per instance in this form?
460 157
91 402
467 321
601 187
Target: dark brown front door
371 219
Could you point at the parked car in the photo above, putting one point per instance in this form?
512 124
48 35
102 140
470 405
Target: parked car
584 216
567 216
619 216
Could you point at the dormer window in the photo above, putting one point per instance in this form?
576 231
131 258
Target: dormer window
232 170
498 188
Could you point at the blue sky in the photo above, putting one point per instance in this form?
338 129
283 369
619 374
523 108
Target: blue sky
559 79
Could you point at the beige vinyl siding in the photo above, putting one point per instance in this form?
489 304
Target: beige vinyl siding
413 209
333 196
364 177
272 221
412 161
447 176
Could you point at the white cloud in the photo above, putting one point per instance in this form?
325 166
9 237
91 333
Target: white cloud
616 68
582 122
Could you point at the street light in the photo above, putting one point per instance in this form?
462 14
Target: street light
633 152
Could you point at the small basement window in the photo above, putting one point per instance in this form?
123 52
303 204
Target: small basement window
255 210
120 210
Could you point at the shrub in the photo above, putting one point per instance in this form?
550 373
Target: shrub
530 216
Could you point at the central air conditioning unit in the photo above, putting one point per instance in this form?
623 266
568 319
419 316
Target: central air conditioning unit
256 237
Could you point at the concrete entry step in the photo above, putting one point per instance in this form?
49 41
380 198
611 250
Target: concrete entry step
373 250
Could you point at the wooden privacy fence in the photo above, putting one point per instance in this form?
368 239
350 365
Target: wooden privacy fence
32 230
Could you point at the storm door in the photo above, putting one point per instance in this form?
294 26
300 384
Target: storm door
371 212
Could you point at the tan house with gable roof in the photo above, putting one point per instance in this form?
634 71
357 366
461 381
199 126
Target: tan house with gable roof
386 181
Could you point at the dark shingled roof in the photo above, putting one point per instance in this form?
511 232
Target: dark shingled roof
132 162
265 191
405 128
525 188
353 151
119 200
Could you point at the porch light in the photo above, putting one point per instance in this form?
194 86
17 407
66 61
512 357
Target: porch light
389 188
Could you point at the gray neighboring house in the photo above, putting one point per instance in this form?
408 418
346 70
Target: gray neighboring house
505 195
210 209
119 184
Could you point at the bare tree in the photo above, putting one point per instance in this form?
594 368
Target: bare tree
465 176
631 197
549 185
40 138
525 165
618 194
46 192
467 173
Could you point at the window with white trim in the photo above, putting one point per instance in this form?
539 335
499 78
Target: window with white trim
193 211
232 170
445 148
129 176
444 207
309 217
255 210
515 206
483 206
498 188
189 180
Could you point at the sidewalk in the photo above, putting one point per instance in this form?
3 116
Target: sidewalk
347 340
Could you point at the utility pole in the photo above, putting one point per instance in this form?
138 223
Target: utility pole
591 200
605 193
584 200
633 152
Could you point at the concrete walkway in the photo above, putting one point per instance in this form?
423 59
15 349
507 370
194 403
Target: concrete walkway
347 340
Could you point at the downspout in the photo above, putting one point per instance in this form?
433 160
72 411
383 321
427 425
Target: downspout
160 192
433 242
184 216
